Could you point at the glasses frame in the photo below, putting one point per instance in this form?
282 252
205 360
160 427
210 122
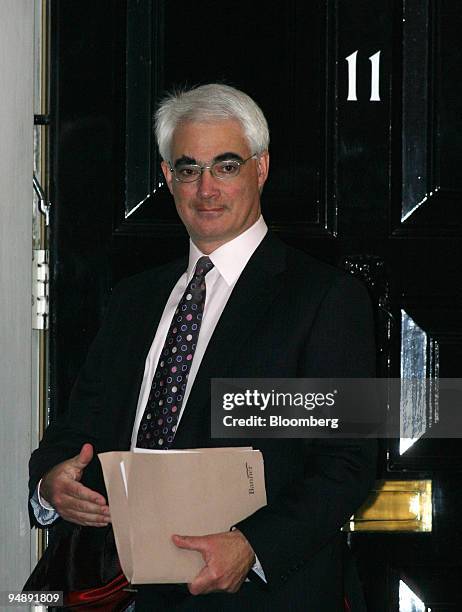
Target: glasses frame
210 167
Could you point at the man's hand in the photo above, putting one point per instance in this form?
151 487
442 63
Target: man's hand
228 558
76 503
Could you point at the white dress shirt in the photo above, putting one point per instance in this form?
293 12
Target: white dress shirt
229 261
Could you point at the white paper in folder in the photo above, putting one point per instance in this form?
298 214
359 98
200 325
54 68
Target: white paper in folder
190 492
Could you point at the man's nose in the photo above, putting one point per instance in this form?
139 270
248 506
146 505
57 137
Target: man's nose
207 184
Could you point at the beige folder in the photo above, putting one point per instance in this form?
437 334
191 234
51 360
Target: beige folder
154 495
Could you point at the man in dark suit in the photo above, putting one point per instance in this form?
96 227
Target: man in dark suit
252 308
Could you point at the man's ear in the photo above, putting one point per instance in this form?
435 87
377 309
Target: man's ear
262 168
168 175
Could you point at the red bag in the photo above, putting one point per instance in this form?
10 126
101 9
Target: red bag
83 563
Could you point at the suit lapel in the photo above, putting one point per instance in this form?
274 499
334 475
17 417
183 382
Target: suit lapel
257 287
147 309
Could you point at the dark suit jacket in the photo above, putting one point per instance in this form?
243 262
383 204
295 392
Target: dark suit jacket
288 316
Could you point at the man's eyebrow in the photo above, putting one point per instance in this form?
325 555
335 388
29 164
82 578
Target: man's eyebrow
184 159
228 155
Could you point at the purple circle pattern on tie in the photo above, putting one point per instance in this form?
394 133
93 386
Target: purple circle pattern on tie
158 425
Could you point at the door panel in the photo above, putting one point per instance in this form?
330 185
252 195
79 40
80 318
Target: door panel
182 44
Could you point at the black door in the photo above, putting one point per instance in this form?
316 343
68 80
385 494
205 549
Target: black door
364 105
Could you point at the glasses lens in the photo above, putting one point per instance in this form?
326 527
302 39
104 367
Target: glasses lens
226 169
187 173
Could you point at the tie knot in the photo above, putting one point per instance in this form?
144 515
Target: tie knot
203 266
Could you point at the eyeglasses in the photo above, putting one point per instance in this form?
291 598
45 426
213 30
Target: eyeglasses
227 169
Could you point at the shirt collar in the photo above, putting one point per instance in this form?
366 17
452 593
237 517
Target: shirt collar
232 257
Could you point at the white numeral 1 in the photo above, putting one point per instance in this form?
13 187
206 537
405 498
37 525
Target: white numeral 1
375 77
351 59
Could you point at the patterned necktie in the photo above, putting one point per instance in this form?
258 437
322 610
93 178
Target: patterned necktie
158 425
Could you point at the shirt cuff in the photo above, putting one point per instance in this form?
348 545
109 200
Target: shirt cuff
43 512
45 505
257 568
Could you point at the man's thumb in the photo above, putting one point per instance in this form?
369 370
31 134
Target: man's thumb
84 457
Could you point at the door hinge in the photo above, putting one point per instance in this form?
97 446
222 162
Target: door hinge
40 284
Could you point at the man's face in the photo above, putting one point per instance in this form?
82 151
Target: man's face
215 210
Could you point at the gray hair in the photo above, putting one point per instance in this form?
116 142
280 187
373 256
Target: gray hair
210 103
